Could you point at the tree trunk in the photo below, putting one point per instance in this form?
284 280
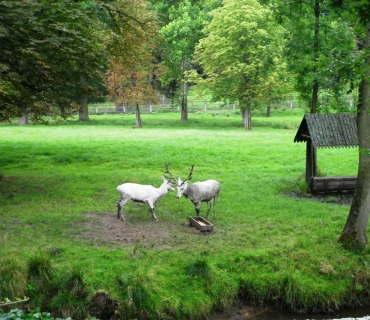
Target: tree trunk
83 112
315 85
23 120
184 94
247 118
268 112
354 233
138 118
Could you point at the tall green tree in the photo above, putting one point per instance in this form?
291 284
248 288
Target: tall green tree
181 34
242 54
316 39
50 50
354 235
323 45
130 75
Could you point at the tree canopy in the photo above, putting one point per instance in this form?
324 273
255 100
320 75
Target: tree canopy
242 54
47 47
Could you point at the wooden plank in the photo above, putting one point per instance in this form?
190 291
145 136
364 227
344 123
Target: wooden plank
327 184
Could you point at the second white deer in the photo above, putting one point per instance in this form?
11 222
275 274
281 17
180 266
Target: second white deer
198 192
143 194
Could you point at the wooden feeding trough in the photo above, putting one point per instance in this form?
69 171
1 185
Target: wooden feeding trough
327 131
201 224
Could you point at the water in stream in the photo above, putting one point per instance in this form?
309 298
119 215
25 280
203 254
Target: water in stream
246 312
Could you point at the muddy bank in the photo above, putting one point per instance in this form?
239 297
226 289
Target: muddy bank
244 312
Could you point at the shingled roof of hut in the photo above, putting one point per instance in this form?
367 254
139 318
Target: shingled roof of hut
328 130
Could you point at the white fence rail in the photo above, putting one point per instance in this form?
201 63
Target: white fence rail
193 106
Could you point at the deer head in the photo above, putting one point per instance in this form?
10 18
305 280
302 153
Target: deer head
183 185
168 185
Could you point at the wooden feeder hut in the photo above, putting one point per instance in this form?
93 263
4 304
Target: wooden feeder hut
327 131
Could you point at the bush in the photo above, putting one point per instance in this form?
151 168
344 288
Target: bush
137 290
40 268
200 268
71 300
19 314
13 278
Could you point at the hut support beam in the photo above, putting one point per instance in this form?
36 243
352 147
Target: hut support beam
311 161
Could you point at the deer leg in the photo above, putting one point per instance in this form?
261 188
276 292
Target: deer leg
120 204
151 206
198 205
209 207
214 206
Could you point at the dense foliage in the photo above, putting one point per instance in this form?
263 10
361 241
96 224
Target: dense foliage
17 314
47 48
242 54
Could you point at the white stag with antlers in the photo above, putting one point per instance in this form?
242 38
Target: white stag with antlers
198 192
143 194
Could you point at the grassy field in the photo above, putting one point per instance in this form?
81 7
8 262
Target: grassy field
61 240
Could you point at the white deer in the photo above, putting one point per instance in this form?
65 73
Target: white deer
143 194
198 192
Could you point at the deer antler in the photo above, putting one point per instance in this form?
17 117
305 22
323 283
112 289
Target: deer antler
190 174
171 175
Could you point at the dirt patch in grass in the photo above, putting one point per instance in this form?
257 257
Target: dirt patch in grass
105 229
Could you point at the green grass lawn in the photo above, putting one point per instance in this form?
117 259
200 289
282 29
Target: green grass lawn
58 183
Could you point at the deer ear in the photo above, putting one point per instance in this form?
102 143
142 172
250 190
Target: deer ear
163 179
179 181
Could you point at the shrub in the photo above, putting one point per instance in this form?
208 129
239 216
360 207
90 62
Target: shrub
71 300
40 268
19 314
200 268
73 282
137 290
13 278
67 305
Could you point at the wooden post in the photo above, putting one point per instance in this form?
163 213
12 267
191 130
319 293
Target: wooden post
150 108
314 162
205 105
311 162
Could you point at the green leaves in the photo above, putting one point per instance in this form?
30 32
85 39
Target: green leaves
46 48
241 53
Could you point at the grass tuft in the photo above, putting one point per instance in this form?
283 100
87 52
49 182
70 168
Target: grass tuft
54 251
137 289
200 268
40 268
13 278
71 299
73 281
67 305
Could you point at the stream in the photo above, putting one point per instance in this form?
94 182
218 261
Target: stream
247 312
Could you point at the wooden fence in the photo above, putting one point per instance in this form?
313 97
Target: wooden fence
165 106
